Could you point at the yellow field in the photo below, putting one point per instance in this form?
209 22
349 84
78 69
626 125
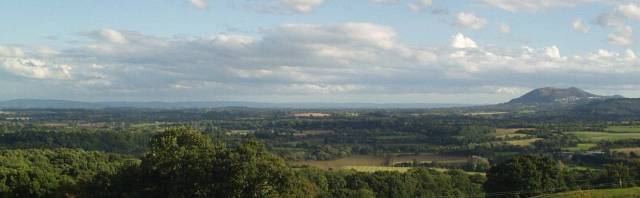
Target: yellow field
510 132
371 169
367 160
525 142
627 150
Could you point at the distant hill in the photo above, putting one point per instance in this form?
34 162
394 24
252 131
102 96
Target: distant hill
43 104
557 96
68 104
611 107
550 99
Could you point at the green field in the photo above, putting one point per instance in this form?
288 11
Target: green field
580 147
591 136
608 193
623 129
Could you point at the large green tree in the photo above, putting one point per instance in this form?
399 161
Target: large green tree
524 176
185 163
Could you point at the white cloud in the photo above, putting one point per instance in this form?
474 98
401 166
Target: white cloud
630 10
622 36
630 55
419 5
383 1
535 5
8 51
553 52
504 28
578 25
308 59
469 20
34 68
200 4
113 36
460 41
302 6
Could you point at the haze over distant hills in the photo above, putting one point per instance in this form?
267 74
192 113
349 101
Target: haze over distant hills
542 98
68 104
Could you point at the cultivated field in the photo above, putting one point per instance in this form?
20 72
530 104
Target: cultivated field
608 193
623 129
380 161
580 147
591 136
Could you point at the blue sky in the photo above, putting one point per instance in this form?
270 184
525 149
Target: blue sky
441 51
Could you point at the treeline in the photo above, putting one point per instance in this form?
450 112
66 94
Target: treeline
108 141
185 163
53 172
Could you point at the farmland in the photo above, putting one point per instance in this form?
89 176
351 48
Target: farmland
608 193
593 136
377 161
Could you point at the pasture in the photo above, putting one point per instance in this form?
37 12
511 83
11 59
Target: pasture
609 193
623 129
580 147
592 136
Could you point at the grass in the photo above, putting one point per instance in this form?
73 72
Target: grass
608 193
369 160
580 147
592 136
623 129
525 142
371 169
627 150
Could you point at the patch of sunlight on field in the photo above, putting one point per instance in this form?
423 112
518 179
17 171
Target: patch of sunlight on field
580 147
623 129
627 150
609 193
602 136
371 169
525 142
369 160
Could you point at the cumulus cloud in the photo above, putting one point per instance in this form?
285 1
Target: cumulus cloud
419 5
504 28
622 36
553 52
383 1
535 5
34 68
200 4
309 59
630 10
578 25
470 20
113 36
460 41
302 6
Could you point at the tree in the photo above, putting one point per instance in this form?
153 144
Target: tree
185 163
526 175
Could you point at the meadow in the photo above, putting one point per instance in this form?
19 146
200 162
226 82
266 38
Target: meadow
593 136
609 193
623 129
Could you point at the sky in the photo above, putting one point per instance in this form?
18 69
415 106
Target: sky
333 51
